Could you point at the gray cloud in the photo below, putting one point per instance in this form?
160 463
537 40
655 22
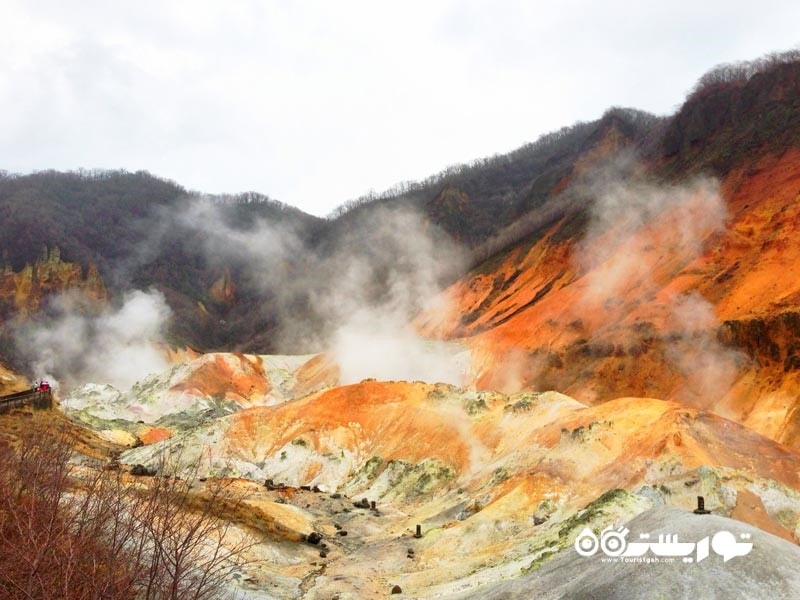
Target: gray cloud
317 103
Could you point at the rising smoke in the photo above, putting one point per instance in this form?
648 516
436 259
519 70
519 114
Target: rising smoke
73 341
381 346
640 234
361 289
353 296
709 369
262 249
373 287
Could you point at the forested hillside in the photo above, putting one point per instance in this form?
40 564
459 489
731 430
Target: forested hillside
135 231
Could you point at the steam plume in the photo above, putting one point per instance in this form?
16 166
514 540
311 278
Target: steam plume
73 342
640 234
353 298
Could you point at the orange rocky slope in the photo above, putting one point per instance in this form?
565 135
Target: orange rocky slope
476 433
488 443
24 292
195 389
724 298
495 481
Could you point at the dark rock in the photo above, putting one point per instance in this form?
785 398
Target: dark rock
336 496
341 533
397 590
142 471
792 363
363 503
314 538
323 554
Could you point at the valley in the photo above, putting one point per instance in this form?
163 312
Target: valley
439 391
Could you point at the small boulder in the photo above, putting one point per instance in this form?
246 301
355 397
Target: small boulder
142 471
314 538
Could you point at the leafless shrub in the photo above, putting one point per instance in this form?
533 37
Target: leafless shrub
93 534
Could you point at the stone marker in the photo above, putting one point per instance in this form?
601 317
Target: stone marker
701 507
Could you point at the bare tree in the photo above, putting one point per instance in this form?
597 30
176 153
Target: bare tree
741 72
81 533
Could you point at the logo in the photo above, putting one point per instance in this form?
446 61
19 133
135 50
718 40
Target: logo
613 544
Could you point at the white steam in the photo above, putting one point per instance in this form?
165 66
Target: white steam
377 346
372 336
640 235
362 289
74 342
708 367
634 221
263 248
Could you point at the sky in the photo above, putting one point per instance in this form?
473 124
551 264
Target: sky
317 102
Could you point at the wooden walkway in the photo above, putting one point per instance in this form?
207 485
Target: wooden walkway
31 397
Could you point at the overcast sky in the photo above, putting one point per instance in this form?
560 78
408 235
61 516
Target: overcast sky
317 102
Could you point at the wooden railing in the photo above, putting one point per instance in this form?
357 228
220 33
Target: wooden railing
37 398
